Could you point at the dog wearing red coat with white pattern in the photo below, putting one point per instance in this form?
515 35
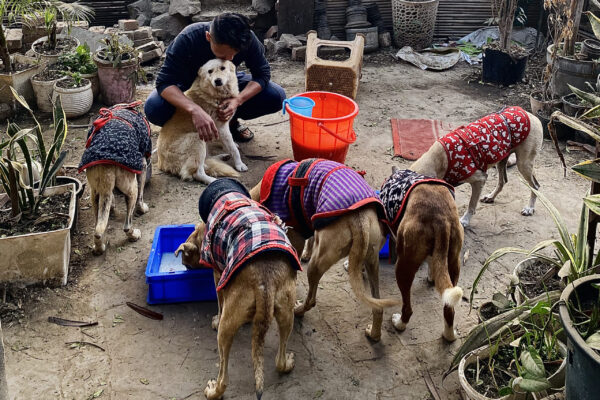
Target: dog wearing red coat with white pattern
465 154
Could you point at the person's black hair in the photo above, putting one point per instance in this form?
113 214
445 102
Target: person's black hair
231 29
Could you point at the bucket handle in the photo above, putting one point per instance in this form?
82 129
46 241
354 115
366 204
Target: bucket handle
335 135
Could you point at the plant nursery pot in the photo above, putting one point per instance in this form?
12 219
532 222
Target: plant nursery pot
583 363
500 68
537 104
571 105
44 91
556 380
575 73
21 80
75 101
520 295
41 257
370 34
591 49
95 83
79 188
53 58
485 310
117 84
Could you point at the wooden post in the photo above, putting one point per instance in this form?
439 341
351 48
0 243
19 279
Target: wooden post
576 11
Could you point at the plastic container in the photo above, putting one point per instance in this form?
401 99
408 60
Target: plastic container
329 132
168 280
385 250
300 105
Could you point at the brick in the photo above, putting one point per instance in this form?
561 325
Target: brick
97 29
281 47
290 41
158 33
150 55
270 46
299 53
145 32
161 45
128 24
129 34
14 39
147 47
272 32
140 42
111 30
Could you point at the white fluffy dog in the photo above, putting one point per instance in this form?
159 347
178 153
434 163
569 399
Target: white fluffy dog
180 151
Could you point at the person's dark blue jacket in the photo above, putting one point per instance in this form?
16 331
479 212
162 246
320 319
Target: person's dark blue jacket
190 50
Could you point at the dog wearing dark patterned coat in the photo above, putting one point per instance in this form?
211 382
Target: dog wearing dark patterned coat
335 204
117 153
465 154
424 222
254 268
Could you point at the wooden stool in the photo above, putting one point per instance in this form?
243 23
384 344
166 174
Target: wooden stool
334 76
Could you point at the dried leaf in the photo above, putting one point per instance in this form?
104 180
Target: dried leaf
145 381
144 311
68 322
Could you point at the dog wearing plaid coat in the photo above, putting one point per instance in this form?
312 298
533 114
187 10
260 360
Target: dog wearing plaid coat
465 154
254 268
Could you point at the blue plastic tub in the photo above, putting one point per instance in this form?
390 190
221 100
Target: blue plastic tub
168 280
385 250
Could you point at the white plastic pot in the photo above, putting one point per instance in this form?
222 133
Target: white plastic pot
75 101
44 91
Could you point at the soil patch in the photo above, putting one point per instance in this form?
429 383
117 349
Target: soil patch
48 75
488 382
70 83
531 281
61 46
53 214
488 311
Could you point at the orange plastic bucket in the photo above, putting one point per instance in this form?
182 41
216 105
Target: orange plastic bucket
329 132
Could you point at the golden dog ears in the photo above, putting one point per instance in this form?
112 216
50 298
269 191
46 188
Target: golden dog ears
187 248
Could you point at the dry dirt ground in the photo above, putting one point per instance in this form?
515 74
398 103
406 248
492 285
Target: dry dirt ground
174 358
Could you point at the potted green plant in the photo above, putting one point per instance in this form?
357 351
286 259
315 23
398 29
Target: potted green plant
499 304
53 45
118 66
579 312
43 87
35 242
504 62
519 355
75 94
15 70
81 61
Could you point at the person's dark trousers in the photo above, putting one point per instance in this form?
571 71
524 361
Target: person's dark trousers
267 101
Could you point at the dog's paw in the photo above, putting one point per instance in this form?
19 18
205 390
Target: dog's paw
99 249
449 334
346 264
241 167
397 322
376 337
306 254
211 390
487 199
527 211
465 220
215 322
288 366
142 208
299 309
134 235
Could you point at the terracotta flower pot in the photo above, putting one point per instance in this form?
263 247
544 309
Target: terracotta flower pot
117 84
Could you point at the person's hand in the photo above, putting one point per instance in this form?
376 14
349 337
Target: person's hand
207 130
227 108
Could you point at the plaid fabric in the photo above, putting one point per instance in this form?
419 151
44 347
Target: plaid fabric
483 142
119 136
237 230
330 190
396 189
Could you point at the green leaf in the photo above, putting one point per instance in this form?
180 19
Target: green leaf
500 301
595 22
593 112
589 169
532 364
594 341
541 308
505 391
531 385
576 124
20 99
589 97
593 203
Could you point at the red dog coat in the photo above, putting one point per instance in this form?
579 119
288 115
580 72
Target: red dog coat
483 142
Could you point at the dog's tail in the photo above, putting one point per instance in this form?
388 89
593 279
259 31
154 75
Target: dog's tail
358 253
262 320
217 167
444 258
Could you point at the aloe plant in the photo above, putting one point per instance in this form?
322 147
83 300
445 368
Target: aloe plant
25 200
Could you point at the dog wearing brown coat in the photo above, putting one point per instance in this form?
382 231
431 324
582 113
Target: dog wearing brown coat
425 224
488 142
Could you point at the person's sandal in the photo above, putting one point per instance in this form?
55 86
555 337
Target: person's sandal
242 134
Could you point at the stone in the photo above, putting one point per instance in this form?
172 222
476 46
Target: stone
263 6
281 47
161 45
128 24
184 8
170 24
143 19
147 47
159 8
270 46
158 33
145 32
299 53
93 39
301 38
140 7
97 29
129 34
14 39
150 55
272 32
290 40
110 31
